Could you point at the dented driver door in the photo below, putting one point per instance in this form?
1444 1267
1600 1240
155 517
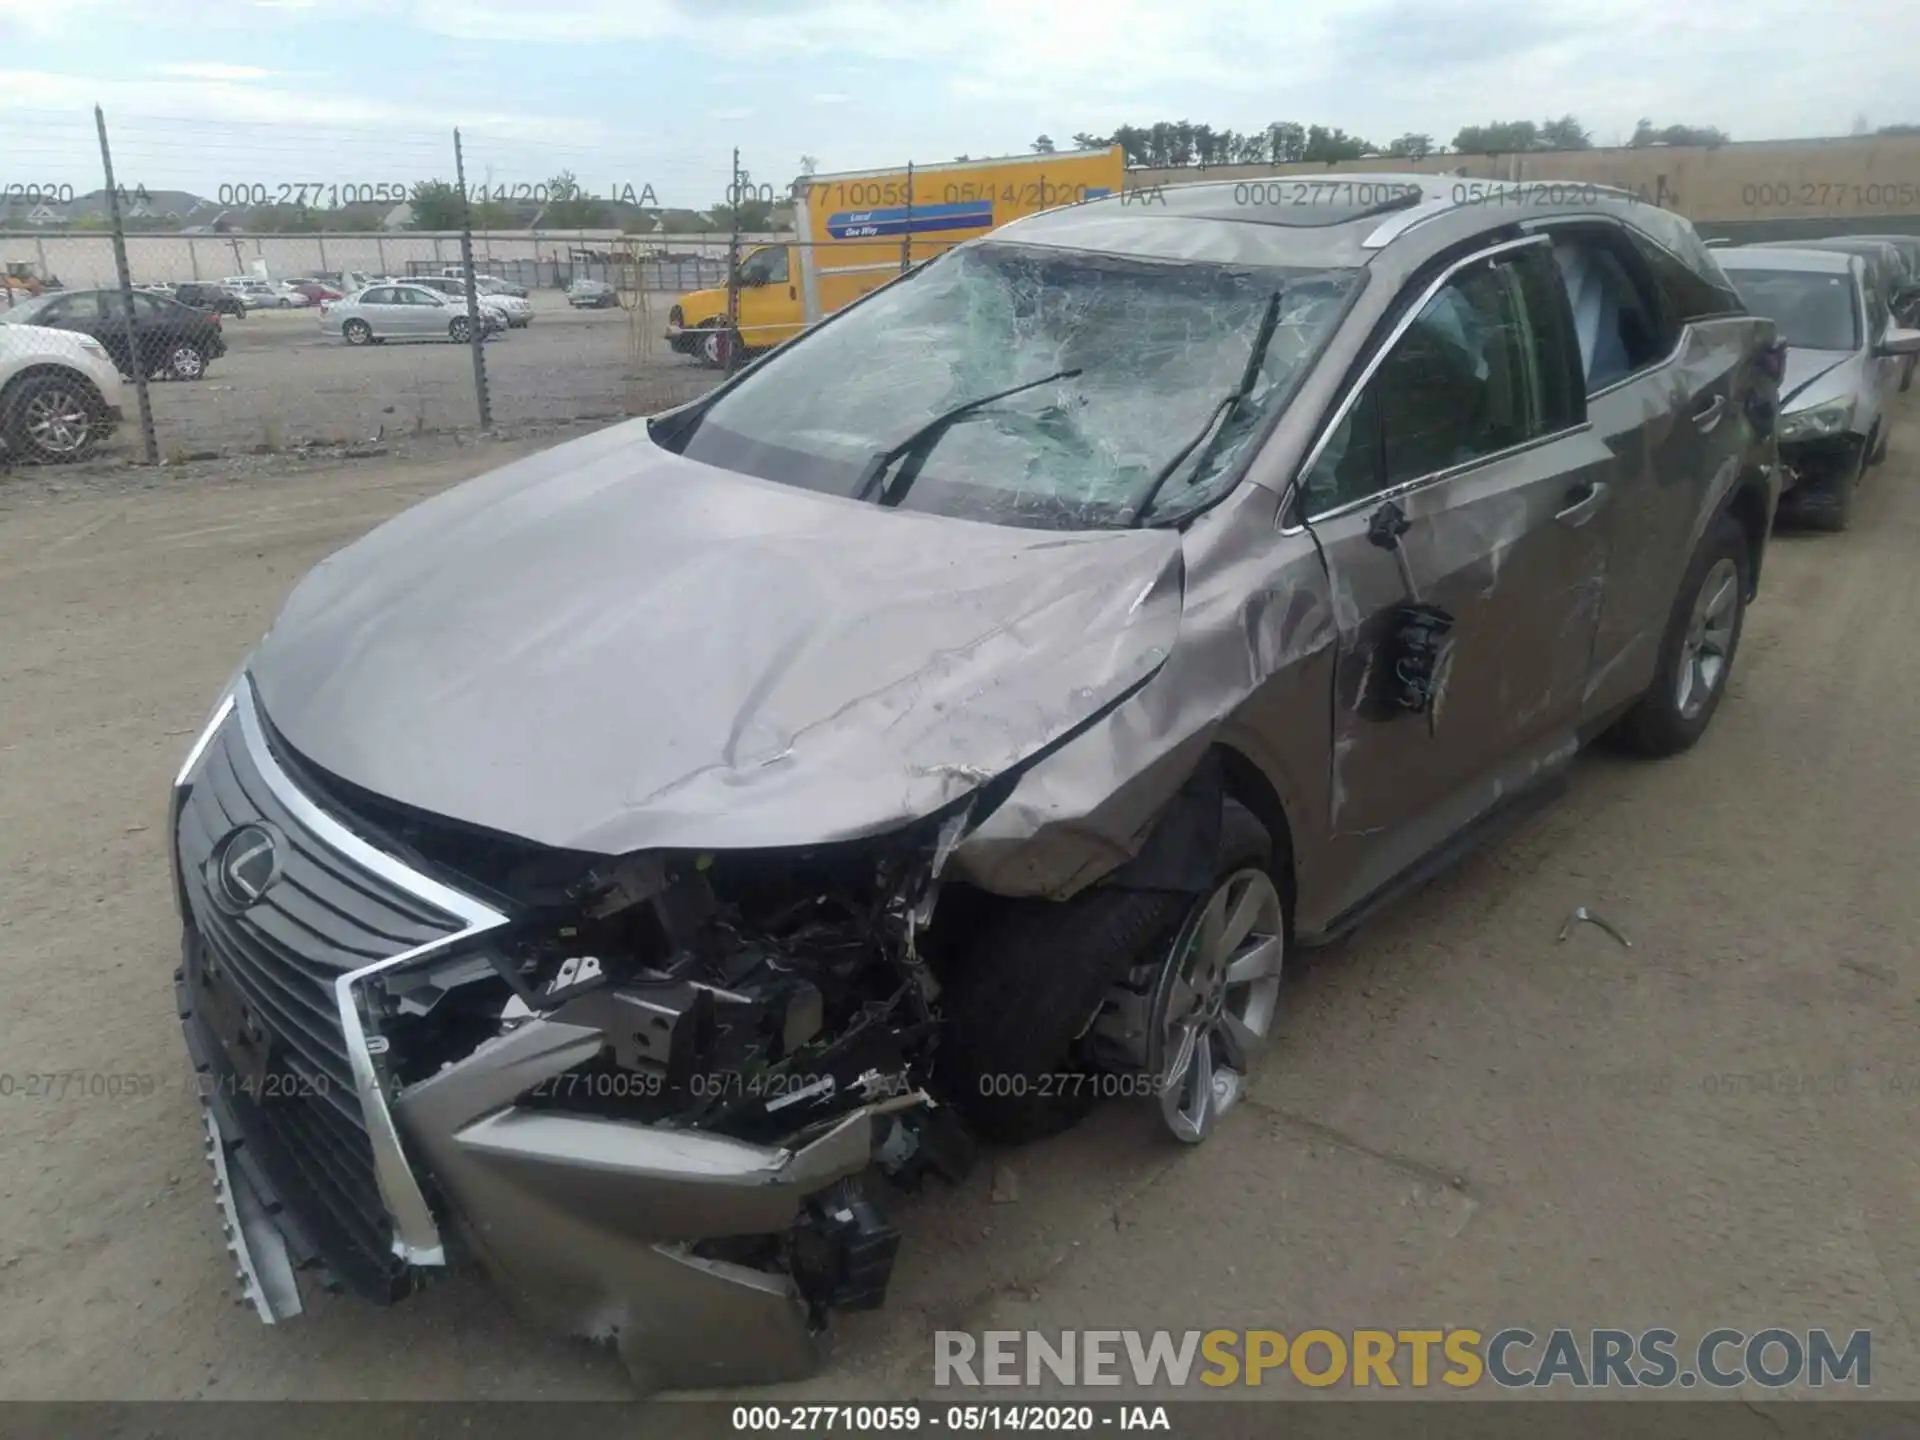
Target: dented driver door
1454 503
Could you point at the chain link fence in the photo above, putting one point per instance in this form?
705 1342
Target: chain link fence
182 290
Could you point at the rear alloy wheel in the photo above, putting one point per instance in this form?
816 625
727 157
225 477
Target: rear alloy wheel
357 332
185 362
54 419
1696 654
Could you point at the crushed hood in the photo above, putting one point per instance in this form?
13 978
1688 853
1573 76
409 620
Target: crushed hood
610 648
1814 376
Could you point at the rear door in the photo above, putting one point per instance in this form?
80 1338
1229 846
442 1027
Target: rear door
1470 426
1699 434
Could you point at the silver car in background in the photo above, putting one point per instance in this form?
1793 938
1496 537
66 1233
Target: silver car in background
390 311
515 312
1844 358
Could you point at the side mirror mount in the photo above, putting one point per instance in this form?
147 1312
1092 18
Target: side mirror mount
1898 341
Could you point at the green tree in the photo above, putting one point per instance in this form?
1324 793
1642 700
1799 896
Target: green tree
1087 140
1646 133
1501 137
436 205
1411 146
1043 145
1566 133
1330 145
569 207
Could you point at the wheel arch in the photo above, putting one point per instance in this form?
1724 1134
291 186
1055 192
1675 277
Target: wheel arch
1751 506
1246 783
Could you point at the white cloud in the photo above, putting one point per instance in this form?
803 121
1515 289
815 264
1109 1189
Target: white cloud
212 70
830 97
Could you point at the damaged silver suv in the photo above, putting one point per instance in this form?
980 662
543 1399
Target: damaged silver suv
621 869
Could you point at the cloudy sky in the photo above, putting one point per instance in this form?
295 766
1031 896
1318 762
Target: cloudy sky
638 92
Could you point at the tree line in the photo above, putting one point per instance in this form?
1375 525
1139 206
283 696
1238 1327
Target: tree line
1173 144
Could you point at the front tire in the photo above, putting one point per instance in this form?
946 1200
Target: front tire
1696 654
1045 981
54 419
460 330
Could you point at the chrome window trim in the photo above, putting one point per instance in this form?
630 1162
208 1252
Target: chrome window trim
416 1236
1452 472
1381 351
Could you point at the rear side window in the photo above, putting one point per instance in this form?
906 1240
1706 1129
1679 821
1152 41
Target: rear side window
1689 292
1487 365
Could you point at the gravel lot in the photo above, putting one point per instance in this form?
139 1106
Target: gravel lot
282 383
1462 1121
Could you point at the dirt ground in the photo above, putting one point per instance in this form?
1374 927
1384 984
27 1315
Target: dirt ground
1463 1121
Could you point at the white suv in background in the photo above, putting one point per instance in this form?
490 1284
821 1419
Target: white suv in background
517 312
60 395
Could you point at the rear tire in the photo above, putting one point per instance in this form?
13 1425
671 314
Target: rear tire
357 332
186 362
1697 652
1835 514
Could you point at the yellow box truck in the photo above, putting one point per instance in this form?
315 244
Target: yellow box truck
854 232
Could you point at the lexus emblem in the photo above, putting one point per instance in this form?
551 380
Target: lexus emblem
242 867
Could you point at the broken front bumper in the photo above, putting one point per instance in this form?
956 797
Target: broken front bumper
324 1166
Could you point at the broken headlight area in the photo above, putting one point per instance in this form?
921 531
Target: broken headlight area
762 997
1819 467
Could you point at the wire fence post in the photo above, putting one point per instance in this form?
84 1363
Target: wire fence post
906 230
476 332
732 338
150 446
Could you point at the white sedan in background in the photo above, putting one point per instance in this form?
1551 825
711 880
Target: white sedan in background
394 310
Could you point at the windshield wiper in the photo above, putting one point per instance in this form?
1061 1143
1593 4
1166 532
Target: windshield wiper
1216 426
878 466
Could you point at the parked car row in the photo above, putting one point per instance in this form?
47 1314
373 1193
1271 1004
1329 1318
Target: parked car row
1847 308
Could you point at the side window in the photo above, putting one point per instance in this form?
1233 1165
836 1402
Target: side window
766 267
148 308
1618 311
1486 365
381 296
1697 291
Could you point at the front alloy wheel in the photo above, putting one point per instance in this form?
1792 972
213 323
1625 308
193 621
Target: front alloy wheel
1215 1001
54 420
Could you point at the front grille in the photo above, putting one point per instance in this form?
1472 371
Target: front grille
271 968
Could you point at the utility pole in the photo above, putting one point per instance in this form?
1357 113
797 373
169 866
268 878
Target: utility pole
476 332
906 233
150 446
732 340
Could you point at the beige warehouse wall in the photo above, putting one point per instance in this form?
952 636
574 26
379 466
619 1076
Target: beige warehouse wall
1853 179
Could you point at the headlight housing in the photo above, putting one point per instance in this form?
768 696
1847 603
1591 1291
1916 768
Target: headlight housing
1817 421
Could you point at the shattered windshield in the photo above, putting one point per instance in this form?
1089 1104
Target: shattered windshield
1152 349
1810 310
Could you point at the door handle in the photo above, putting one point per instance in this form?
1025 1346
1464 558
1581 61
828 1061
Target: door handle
792 293
1584 502
1709 412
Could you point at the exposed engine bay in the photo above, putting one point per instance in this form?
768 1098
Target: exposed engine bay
763 997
